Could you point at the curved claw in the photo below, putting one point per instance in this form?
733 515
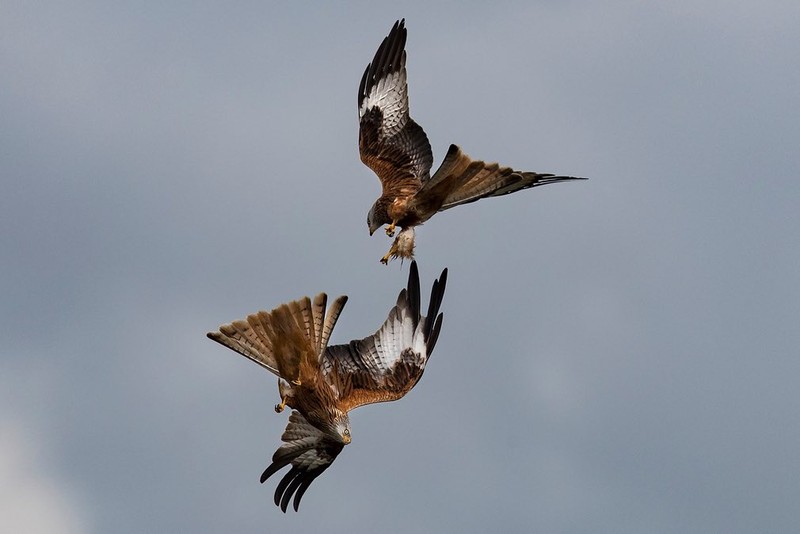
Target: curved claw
390 230
392 250
279 407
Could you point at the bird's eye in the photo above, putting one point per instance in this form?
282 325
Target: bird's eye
347 432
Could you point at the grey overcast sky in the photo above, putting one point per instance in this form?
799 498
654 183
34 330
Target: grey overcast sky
618 355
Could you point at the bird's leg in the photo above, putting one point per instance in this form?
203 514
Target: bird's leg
390 229
388 256
279 407
296 381
402 247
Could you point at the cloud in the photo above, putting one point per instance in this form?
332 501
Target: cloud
31 498
34 494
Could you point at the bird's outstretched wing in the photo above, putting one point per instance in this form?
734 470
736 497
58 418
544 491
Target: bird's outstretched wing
280 339
309 452
386 365
390 142
461 180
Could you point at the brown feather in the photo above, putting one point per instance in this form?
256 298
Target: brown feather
318 313
330 321
363 388
239 337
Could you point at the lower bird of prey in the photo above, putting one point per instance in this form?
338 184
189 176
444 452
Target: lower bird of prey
397 149
322 383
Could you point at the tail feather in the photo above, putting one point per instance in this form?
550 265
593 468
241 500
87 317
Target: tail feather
461 180
290 341
286 337
240 337
318 312
302 311
330 321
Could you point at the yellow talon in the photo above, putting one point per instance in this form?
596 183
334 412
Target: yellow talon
390 229
388 256
279 407
402 247
296 381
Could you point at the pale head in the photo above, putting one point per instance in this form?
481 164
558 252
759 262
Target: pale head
341 428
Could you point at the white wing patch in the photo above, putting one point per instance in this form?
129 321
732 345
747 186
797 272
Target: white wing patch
396 335
390 95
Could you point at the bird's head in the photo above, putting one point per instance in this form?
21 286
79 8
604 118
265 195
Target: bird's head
341 428
377 216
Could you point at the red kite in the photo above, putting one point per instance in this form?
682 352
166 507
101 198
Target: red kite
322 383
397 149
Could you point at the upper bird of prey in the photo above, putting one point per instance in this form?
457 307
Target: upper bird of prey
322 384
397 149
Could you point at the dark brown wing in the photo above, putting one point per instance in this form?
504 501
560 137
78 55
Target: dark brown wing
460 180
386 365
309 452
390 142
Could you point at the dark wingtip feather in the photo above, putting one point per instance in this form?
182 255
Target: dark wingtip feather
437 294
553 179
434 335
387 59
308 478
287 495
295 483
443 279
568 178
281 489
274 468
413 290
300 491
